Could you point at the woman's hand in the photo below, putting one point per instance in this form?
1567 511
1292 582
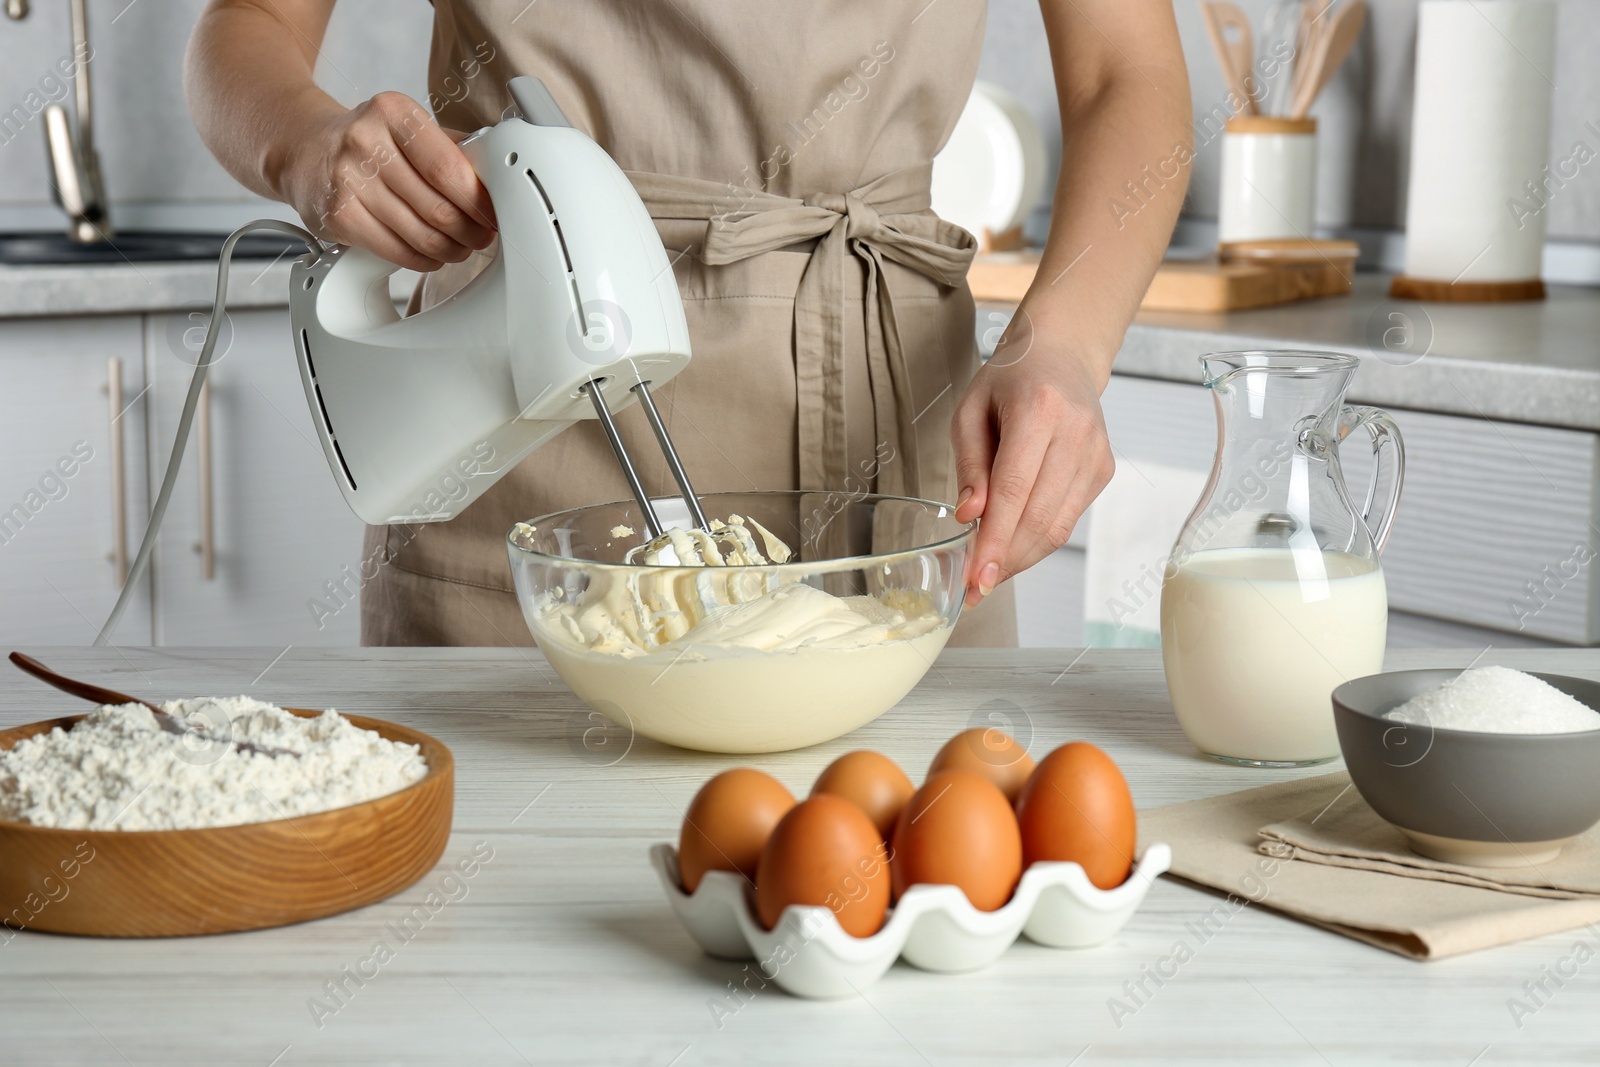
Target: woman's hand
1031 454
381 175
385 177
1030 440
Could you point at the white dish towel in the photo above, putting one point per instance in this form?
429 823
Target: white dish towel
1132 527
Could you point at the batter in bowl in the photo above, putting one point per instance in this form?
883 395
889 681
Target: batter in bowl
708 647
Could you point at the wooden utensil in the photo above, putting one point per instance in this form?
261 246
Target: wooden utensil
91 692
1329 48
169 723
1236 55
176 883
1312 21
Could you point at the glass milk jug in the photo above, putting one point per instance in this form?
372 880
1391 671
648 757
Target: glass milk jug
1273 595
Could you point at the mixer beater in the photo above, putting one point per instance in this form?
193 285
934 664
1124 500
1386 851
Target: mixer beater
679 475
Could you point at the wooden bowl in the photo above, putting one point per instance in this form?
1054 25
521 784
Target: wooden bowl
174 883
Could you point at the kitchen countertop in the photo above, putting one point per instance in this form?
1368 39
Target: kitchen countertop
1533 361
562 949
138 288
1536 362
124 288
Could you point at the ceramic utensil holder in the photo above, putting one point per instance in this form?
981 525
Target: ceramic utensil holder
1269 178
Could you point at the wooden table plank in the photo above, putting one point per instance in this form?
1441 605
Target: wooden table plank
560 949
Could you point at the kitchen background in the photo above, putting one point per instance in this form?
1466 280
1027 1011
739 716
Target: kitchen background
1493 509
1364 115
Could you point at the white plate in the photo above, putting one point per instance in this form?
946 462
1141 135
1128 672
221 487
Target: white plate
934 927
990 173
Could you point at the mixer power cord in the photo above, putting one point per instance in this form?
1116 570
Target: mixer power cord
141 562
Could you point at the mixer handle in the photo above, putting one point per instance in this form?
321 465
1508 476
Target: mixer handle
535 102
360 270
1389 465
355 292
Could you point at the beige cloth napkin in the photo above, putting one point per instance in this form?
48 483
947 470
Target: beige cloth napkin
1215 842
1346 832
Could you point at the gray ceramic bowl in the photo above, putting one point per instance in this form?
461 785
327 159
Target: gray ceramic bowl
1462 796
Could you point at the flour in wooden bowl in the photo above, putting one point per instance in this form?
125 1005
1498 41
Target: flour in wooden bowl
118 770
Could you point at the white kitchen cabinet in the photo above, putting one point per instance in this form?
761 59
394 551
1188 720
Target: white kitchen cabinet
1488 508
282 535
1050 614
60 477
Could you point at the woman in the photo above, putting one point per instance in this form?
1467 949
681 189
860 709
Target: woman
836 355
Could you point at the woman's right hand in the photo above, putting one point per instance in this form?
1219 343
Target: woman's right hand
385 177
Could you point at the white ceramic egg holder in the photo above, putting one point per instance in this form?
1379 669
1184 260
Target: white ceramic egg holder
934 926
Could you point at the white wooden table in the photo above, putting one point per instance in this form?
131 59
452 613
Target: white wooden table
560 949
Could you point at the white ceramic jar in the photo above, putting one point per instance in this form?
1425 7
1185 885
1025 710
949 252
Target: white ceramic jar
1269 178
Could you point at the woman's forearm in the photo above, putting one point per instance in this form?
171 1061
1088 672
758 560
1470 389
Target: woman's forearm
381 175
249 79
1029 435
1126 153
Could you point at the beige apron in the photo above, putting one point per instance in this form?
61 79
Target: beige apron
784 149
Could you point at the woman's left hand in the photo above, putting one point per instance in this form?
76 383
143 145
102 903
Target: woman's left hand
1031 454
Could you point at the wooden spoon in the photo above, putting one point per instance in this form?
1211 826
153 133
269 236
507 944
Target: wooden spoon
1312 15
170 723
1237 55
1329 48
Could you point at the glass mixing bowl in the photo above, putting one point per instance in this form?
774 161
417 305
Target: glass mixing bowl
746 659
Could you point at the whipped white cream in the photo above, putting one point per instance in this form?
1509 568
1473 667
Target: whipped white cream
715 589
725 544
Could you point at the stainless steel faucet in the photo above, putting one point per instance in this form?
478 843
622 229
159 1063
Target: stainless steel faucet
74 163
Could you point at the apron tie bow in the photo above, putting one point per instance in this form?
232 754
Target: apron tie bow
861 219
887 218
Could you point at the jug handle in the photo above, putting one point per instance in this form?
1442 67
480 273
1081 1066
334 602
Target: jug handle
1388 465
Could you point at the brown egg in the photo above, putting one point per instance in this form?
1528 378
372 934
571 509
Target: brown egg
991 753
959 830
728 824
1077 807
825 852
872 782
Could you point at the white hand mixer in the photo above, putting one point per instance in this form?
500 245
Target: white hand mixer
576 317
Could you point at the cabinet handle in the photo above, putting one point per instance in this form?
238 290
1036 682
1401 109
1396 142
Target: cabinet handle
119 480
207 545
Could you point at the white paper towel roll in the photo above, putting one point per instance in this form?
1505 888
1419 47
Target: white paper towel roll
1479 133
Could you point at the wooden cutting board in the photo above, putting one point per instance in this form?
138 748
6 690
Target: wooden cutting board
1218 286
1202 285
